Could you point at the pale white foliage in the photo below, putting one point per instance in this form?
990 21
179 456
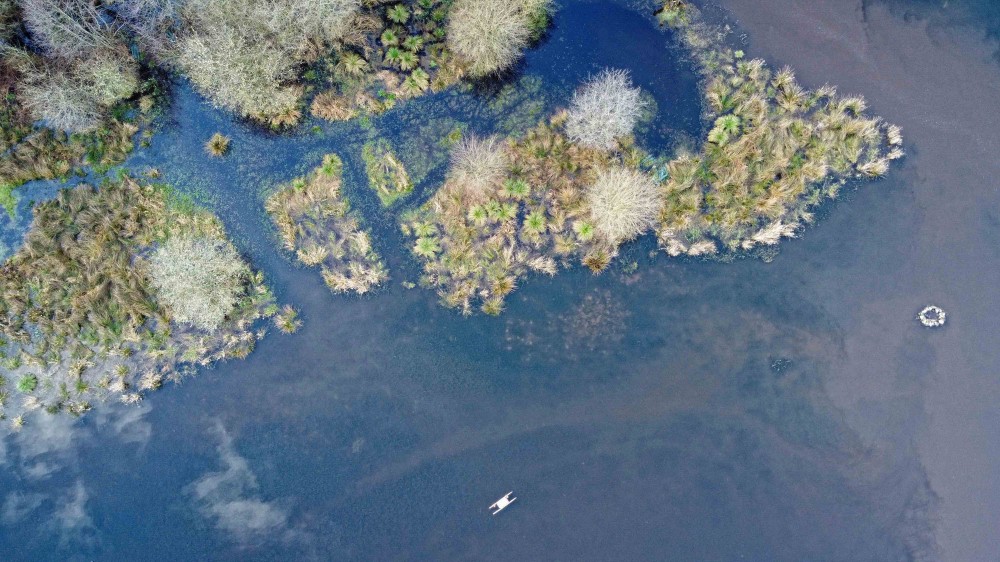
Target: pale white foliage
489 34
199 279
604 109
624 203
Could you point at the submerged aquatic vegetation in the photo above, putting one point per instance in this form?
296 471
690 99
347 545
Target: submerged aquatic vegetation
386 174
218 145
316 222
87 306
775 149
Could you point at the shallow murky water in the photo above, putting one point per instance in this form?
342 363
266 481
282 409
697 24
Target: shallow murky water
683 411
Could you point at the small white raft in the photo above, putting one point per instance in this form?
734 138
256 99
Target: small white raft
502 503
932 316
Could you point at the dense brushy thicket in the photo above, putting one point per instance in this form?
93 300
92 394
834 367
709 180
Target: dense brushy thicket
77 96
66 65
604 109
69 28
80 312
244 54
490 34
623 203
477 164
198 279
775 149
507 209
317 223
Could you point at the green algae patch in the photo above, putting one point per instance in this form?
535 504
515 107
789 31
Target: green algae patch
773 152
94 308
316 222
386 174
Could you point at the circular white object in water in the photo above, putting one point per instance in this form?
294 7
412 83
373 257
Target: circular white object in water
931 316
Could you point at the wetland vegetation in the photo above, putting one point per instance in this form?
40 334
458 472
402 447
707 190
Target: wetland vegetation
153 287
316 222
116 290
578 186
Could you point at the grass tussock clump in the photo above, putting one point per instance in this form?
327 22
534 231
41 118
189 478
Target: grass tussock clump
604 109
489 35
508 209
111 294
316 222
774 151
386 173
218 145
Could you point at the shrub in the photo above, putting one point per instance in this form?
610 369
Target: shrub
68 28
109 75
604 109
218 145
60 100
75 95
244 54
477 164
490 34
623 203
239 74
199 279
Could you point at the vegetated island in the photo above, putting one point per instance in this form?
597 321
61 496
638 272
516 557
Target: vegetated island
400 50
116 290
316 222
577 187
71 93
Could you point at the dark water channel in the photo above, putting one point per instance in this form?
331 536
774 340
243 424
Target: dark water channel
683 411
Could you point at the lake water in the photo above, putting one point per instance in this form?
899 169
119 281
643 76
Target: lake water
688 410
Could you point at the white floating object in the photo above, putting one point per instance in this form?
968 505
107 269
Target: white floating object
502 503
931 316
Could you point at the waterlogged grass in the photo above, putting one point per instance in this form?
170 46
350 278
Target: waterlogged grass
7 198
575 188
79 310
316 222
386 174
392 58
507 209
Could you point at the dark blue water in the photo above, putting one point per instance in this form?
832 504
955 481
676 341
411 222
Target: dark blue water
684 411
